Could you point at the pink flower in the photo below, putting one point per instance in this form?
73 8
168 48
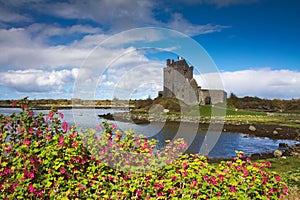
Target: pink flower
61 141
30 130
73 135
25 107
61 115
139 192
277 177
62 170
64 126
195 183
30 113
75 144
50 115
173 178
31 188
31 175
246 173
248 160
265 180
27 142
8 149
184 165
185 173
113 126
232 189
241 156
48 137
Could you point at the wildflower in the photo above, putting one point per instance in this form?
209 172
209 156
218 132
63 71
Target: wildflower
61 141
64 126
30 130
31 175
195 183
246 173
113 126
248 160
48 137
30 113
25 107
139 192
61 115
31 188
8 149
73 135
232 189
277 177
184 165
173 178
62 170
27 142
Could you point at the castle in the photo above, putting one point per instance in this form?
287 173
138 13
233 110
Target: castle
179 83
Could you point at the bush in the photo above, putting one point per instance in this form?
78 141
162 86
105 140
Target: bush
42 157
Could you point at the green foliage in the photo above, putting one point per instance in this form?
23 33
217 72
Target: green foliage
42 157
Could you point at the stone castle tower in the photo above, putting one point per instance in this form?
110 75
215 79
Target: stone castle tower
179 83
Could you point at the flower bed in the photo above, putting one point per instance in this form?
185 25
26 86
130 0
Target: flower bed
42 157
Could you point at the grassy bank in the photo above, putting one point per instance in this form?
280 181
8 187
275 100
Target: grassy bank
289 170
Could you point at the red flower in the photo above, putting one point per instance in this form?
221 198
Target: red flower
195 183
30 130
73 135
50 115
184 165
8 149
48 137
62 170
25 107
113 126
61 141
61 115
27 142
232 189
277 177
64 126
30 113
31 188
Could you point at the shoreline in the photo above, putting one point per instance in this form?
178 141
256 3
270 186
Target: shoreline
271 131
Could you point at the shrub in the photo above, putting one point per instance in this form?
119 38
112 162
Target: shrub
42 157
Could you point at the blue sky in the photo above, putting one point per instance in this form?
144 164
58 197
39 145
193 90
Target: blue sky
254 44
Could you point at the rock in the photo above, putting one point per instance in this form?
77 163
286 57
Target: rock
252 128
277 153
283 145
275 132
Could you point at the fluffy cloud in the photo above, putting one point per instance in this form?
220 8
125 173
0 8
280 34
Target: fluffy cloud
264 83
32 80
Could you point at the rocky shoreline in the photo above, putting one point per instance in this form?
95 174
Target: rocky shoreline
259 130
256 130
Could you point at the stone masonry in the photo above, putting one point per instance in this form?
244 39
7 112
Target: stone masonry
179 83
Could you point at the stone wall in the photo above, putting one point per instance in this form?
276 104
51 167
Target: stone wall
179 83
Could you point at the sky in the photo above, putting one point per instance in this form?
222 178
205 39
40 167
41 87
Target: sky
93 49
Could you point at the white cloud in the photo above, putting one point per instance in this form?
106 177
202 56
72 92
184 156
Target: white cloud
7 16
264 83
32 80
179 23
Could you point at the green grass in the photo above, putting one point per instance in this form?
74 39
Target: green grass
288 168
